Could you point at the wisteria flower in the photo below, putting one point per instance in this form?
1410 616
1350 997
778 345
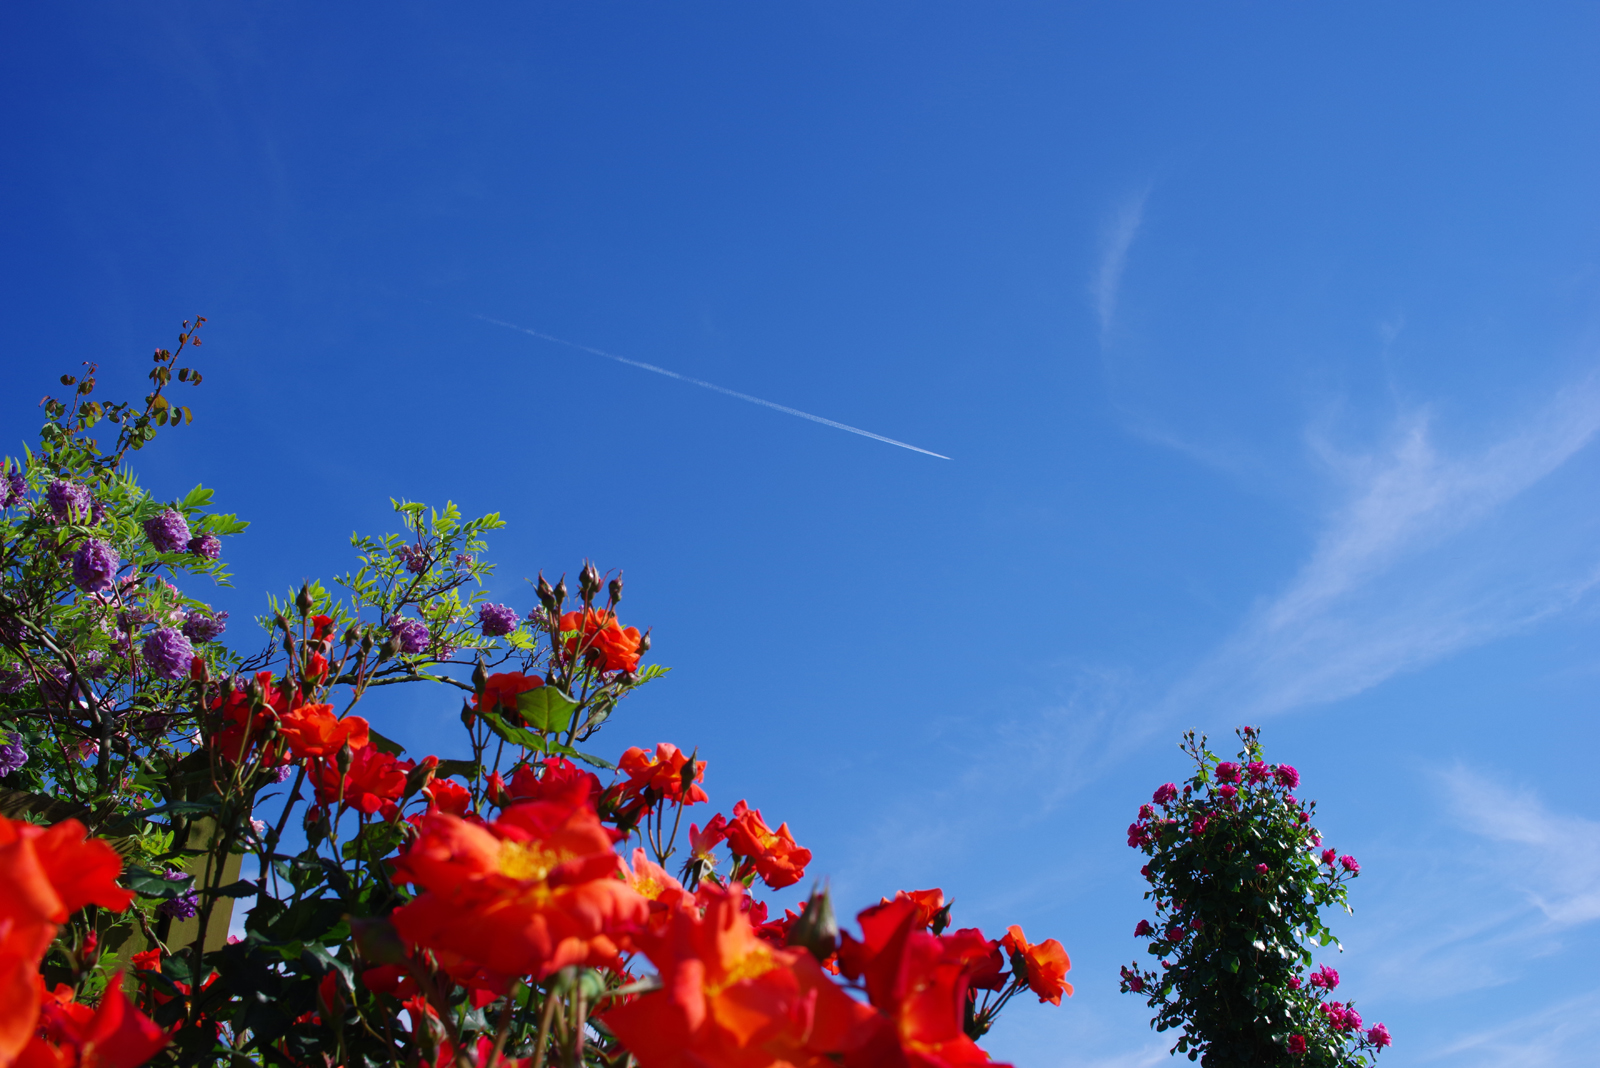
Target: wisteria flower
201 627
68 500
13 485
94 566
412 634
12 754
168 532
168 653
497 620
207 546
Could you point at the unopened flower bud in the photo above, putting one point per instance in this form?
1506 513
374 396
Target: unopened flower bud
421 775
616 590
345 758
644 642
547 596
468 716
389 648
588 582
352 636
367 641
303 600
816 930
480 677
280 621
561 591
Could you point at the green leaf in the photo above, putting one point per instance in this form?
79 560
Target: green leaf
198 497
516 735
383 744
467 769
149 884
546 708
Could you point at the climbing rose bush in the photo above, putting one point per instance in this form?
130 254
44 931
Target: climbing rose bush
1238 879
509 899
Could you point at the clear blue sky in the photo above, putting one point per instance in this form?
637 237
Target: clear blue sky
1262 339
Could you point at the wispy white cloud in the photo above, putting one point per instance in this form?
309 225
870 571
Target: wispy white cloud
1121 227
1414 564
1562 1035
1554 859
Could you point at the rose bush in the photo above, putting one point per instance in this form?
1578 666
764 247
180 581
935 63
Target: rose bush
1239 885
513 900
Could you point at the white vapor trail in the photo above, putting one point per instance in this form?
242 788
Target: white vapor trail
711 386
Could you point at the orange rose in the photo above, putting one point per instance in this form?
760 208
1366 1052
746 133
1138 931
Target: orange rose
534 891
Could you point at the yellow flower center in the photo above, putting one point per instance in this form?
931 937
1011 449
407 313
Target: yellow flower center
755 963
529 861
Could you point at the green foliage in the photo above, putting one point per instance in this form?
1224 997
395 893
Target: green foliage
1239 890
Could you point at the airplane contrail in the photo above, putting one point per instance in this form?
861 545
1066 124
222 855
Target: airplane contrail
711 386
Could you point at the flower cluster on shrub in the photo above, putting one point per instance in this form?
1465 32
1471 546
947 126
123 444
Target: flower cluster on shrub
1238 884
511 900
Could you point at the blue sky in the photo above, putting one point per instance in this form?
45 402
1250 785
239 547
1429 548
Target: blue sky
1262 339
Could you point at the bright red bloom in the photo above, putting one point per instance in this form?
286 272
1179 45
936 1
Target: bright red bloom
376 779
701 843
920 982
71 1035
502 689
666 774
243 728
321 627
1046 964
391 979
448 797
46 874
730 1000
562 781
314 731
534 891
772 854
148 961
597 630
929 904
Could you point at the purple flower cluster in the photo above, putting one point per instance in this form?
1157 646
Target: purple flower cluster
12 755
497 620
168 532
412 634
200 627
168 653
68 500
13 485
208 546
94 566
415 557
11 678
185 905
